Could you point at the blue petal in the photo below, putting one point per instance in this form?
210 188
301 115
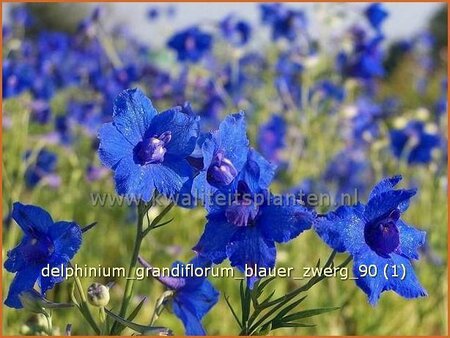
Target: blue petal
232 139
132 115
249 247
411 239
343 229
16 260
282 219
385 202
218 233
409 287
184 129
169 177
388 184
202 190
33 220
372 285
192 325
133 180
24 280
384 185
57 263
200 298
67 238
113 145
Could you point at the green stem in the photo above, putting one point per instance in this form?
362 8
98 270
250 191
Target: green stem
83 307
49 325
142 210
102 316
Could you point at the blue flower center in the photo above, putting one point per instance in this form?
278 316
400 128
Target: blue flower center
243 210
242 213
38 250
382 235
221 172
153 149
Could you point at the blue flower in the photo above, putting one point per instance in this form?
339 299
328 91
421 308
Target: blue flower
147 150
289 24
191 44
378 239
235 31
224 153
192 298
44 168
376 14
244 224
45 243
414 143
271 139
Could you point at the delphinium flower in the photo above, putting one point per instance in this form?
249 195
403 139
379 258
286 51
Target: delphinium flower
190 44
45 243
285 22
365 62
147 151
192 297
441 105
414 143
272 139
364 123
376 14
244 223
224 154
235 31
43 168
378 240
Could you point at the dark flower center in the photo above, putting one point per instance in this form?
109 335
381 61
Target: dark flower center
38 250
243 210
221 172
153 149
382 236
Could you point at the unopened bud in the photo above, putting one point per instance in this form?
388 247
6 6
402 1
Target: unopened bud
98 295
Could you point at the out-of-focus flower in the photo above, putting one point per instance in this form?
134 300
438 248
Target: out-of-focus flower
375 235
272 139
414 143
235 31
45 243
44 167
376 14
191 44
147 150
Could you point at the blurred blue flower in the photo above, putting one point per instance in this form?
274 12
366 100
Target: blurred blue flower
153 13
147 150
43 168
376 14
272 139
45 243
235 31
193 297
376 237
414 143
191 44
244 223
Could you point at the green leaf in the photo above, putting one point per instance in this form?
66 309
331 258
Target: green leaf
281 325
233 311
290 307
142 329
308 313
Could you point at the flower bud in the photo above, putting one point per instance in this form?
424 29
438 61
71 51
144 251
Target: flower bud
98 295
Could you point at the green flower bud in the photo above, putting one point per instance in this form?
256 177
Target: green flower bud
98 295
